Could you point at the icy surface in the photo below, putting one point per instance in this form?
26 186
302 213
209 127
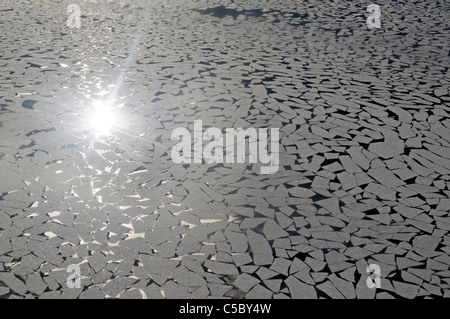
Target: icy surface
364 173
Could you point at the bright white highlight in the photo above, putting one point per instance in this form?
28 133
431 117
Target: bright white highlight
103 118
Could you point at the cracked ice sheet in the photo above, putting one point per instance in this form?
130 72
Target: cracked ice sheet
363 177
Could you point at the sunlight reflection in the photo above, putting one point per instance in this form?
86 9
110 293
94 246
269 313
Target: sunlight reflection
103 117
